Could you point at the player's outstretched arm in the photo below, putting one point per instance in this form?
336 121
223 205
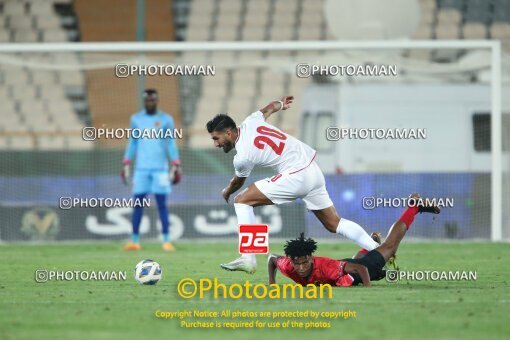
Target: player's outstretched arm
271 267
235 184
361 270
276 106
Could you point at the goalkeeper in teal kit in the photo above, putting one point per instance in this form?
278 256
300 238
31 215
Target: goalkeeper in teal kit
152 173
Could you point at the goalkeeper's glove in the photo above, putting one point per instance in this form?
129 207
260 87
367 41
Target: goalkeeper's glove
125 172
175 172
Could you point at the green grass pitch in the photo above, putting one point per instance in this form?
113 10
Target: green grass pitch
125 310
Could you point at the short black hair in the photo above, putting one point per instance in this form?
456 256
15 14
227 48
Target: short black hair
300 246
150 93
220 122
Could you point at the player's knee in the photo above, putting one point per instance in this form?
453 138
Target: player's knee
332 223
239 198
330 226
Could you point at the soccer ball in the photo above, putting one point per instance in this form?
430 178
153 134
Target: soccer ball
147 272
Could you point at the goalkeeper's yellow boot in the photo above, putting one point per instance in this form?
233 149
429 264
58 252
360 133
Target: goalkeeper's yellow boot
132 246
167 246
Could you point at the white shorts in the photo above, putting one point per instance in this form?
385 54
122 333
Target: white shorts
308 184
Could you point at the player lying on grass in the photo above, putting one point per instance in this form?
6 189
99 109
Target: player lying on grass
258 143
302 267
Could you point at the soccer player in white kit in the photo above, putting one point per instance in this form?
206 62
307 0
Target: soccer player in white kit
298 176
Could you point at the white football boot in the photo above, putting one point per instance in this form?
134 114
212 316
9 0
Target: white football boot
240 264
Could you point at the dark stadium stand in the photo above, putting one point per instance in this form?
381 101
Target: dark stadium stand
58 104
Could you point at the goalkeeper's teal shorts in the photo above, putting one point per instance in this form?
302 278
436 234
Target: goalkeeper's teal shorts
151 182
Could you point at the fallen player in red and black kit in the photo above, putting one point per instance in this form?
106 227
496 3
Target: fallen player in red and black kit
302 267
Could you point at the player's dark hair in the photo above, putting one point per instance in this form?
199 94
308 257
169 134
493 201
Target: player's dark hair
220 122
150 93
300 246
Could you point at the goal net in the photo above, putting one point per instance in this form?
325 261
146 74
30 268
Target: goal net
386 121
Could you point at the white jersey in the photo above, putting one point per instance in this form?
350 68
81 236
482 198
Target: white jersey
262 144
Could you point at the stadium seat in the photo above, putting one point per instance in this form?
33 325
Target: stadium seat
449 16
312 5
244 76
51 143
309 33
22 22
5 36
194 57
500 30
243 90
447 31
42 8
474 30
43 77
231 6
204 7
14 8
428 4
311 18
71 78
282 20
225 34
25 35
427 16
198 34
281 33
47 22
58 108
214 90
297 85
32 108
228 20
54 35
4 142
424 32
259 18
19 127
271 89
285 7
257 7
420 54
8 119
254 33
221 57
51 93
77 143
18 78
67 59
24 93
239 108
41 124
249 56
21 143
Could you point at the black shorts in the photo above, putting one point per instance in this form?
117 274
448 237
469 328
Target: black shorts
374 262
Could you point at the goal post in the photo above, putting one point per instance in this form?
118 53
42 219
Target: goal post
130 50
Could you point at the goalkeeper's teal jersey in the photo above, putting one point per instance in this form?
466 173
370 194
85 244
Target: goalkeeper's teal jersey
152 153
